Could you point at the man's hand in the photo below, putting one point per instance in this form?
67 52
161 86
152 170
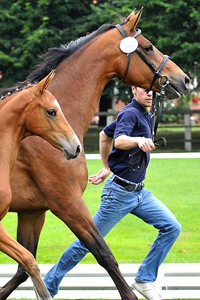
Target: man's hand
146 144
100 176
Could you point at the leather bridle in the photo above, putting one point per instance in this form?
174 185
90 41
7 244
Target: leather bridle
156 71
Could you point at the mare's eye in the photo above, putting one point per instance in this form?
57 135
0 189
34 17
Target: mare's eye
148 48
51 112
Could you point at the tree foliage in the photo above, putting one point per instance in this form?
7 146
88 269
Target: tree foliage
29 28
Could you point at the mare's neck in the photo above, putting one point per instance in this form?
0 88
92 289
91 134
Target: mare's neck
80 81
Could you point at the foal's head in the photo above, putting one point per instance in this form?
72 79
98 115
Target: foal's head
45 118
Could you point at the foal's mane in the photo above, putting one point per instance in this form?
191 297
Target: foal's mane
52 58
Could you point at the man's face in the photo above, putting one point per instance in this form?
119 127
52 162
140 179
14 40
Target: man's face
142 97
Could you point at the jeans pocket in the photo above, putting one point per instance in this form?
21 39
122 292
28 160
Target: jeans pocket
106 193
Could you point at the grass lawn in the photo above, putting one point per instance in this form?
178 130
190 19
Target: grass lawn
175 181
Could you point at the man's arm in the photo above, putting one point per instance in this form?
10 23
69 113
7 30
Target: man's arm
125 142
105 146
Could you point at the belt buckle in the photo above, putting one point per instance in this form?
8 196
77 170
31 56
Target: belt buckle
140 187
130 187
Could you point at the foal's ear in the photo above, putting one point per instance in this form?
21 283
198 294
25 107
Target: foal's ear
44 83
132 20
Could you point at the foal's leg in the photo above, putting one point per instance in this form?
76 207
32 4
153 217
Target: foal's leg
28 231
9 246
12 248
79 220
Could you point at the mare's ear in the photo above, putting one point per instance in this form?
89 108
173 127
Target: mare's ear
43 84
132 20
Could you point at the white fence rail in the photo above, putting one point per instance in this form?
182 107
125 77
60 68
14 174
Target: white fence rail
175 281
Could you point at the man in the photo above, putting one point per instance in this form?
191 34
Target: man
124 193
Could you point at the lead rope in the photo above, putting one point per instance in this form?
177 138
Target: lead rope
159 142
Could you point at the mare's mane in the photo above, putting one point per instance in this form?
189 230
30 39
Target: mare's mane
52 58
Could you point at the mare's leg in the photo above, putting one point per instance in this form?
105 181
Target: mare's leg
59 186
89 235
28 232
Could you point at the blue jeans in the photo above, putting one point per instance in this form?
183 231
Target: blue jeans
115 204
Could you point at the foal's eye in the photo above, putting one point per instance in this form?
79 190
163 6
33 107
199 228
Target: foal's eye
148 48
51 112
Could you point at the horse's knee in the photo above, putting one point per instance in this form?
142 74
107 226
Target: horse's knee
111 262
106 259
29 264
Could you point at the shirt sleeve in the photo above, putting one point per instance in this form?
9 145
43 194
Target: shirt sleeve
126 122
110 128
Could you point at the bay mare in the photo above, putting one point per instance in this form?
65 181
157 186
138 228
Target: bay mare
83 68
32 111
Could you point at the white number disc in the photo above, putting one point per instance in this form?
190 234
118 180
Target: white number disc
128 44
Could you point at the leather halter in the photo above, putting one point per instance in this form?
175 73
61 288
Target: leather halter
145 60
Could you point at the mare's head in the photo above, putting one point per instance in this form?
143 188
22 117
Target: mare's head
112 51
145 61
45 118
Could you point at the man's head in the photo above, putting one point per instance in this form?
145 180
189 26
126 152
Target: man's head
142 97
